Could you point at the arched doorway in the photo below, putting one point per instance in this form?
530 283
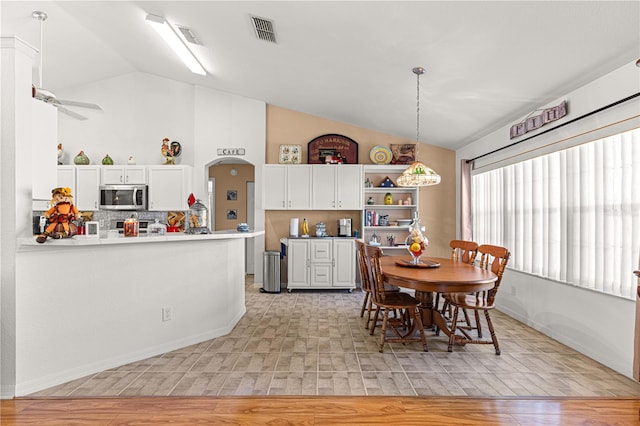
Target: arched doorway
231 196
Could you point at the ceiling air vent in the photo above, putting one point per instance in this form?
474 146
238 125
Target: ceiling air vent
263 29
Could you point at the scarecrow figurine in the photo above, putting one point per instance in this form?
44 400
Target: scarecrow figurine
60 216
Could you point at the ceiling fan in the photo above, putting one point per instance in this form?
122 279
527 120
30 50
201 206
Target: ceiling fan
49 97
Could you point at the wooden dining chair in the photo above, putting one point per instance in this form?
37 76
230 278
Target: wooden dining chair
404 327
492 258
463 251
367 302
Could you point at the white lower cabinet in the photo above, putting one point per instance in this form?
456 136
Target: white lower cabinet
322 263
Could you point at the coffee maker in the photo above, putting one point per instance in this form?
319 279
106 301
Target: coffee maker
344 227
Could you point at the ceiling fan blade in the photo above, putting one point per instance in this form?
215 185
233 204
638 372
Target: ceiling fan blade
79 104
71 113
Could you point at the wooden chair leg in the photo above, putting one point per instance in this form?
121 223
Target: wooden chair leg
478 325
383 333
454 324
415 315
364 303
369 309
494 338
375 319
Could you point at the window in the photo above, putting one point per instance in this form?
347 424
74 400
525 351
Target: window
571 216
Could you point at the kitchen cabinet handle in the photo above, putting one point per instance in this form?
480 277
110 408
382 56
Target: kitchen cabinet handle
95 204
120 178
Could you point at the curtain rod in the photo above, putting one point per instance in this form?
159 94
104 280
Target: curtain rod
628 98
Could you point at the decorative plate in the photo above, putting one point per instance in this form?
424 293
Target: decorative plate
380 155
290 154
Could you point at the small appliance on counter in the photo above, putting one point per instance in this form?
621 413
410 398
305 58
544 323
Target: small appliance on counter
344 227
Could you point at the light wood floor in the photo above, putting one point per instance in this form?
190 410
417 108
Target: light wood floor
285 410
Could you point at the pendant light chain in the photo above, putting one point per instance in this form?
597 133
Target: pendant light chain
418 106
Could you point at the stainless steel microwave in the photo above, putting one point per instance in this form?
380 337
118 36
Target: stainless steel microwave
123 197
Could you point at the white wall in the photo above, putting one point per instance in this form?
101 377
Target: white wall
600 326
15 189
141 109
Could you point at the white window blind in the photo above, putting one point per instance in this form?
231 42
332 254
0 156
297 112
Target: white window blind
571 216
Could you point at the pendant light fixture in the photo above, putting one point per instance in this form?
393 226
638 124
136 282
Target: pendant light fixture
417 174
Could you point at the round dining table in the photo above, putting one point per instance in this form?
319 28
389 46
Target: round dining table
435 275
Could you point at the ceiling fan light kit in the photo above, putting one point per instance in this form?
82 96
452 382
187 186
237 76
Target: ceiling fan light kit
171 37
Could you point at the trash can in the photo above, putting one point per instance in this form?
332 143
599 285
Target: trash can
271 272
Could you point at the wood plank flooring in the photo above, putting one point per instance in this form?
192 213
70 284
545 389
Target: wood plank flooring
347 410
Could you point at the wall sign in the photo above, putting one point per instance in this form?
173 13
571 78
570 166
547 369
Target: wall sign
332 147
230 151
535 122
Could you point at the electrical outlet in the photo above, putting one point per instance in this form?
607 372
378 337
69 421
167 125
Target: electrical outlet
513 290
167 315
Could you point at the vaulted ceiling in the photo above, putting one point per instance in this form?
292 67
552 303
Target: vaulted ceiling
488 63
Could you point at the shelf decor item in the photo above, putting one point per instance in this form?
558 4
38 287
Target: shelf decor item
416 241
290 154
380 155
403 153
81 159
107 161
333 146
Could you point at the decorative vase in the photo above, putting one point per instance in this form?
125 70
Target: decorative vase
416 241
81 159
107 161
388 199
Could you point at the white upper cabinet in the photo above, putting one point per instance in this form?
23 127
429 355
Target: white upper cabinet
286 187
169 187
337 187
125 175
87 196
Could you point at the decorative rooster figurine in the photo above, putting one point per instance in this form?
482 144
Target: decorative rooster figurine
167 152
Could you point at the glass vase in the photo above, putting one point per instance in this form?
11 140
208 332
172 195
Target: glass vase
416 241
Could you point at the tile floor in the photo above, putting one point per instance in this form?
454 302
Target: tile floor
315 343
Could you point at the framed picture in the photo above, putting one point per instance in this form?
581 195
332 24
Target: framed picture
290 154
404 153
92 229
232 195
232 214
336 148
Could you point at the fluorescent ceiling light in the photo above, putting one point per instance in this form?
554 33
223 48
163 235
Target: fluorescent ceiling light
175 42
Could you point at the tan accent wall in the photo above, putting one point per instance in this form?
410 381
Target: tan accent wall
437 203
225 182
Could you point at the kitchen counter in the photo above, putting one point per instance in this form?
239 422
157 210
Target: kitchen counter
114 301
27 243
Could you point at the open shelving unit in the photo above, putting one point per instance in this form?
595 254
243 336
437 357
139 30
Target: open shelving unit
374 207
